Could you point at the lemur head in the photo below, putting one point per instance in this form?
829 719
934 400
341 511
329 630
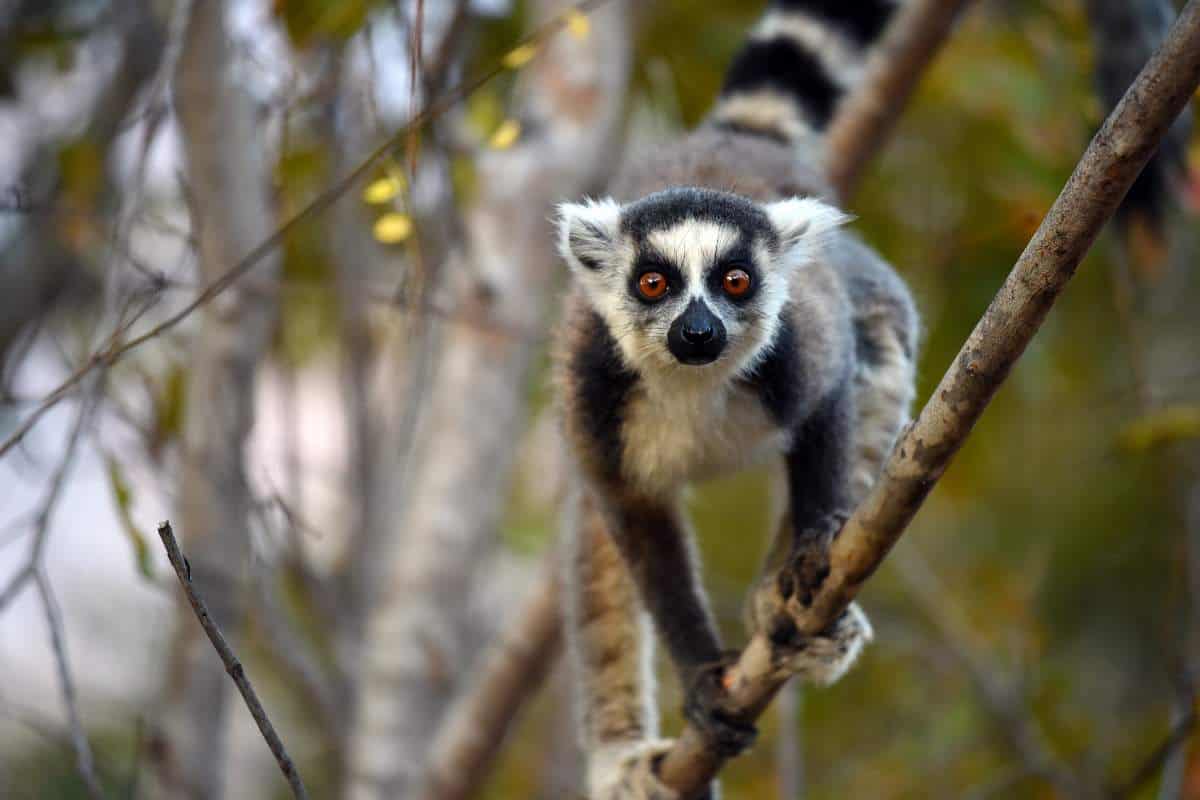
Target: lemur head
692 279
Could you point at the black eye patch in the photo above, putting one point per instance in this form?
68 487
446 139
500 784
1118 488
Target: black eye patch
740 256
650 261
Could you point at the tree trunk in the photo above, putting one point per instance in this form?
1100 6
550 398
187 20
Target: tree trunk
414 653
228 177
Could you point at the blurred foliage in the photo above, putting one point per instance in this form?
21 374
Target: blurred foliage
1051 535
313 21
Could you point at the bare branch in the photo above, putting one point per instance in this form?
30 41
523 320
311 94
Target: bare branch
117 348
892 73
233 666
1103 176
1176 738
84 761
468 741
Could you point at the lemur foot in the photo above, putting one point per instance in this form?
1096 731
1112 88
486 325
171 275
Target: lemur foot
630 772
705 706
783 597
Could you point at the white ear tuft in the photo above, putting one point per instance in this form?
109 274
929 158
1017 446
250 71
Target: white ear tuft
588 232
802 223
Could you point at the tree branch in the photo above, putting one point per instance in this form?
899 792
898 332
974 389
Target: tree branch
1103 176
468 741
84 761
232 665
897 64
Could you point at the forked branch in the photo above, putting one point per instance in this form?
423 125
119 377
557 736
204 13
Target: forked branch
1101 179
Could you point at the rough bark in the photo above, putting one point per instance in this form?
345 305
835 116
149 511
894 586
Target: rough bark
476 411
229 181
1101 179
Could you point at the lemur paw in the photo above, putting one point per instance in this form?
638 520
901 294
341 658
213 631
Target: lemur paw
630 772
783 597
705 707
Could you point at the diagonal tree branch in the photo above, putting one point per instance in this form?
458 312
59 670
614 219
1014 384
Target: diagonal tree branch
893 71
1101 179
233 666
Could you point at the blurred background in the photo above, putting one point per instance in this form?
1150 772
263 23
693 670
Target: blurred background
353 440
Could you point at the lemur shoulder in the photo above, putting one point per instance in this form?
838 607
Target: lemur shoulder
720 315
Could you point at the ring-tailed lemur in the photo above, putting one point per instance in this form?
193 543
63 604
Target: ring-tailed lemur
719 316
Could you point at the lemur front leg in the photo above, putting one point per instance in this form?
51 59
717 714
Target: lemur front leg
818 480
657 548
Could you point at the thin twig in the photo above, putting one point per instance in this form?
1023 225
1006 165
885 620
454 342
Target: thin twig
84 761
116 349
1175 739
1104 174
232 665
1012 715
14 586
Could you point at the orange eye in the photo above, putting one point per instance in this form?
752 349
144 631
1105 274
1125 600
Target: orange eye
652 285
737 282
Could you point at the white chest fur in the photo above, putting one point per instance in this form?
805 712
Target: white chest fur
677 434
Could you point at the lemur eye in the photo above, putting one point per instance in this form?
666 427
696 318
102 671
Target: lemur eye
652 285
736 282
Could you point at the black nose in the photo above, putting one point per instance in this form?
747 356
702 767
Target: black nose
697 334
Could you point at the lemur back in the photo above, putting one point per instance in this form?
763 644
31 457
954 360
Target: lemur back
719 316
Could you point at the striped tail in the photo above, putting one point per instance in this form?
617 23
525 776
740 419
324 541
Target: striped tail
799 61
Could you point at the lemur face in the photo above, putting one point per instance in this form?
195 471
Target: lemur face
692 279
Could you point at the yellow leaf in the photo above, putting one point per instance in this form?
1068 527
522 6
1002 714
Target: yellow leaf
578 24
393 228
381 191
520 56
506 135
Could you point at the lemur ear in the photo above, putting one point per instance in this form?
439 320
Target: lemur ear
588 232
802 223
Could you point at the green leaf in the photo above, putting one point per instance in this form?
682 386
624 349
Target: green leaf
124 498
1164 426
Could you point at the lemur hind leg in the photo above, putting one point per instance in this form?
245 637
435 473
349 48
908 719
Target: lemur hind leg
819 495
882 392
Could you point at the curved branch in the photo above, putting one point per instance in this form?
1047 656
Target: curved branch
1101 179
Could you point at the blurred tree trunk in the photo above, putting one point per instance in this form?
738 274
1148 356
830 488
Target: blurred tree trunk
229 180
413 656
1158 292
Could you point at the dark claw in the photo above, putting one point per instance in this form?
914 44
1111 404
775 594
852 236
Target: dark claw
704 707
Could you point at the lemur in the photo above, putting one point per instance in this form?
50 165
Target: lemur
719 315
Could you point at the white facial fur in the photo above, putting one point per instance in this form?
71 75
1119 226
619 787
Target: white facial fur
602 257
